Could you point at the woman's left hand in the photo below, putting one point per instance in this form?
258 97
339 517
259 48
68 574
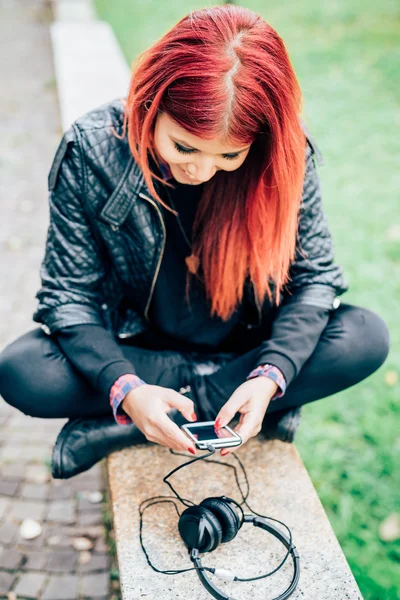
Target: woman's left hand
251 400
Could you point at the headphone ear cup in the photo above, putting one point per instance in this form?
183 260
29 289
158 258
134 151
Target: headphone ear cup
226 516
188 527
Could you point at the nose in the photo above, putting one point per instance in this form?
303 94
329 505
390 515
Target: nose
203 169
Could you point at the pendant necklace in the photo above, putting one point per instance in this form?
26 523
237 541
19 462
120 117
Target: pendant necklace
192 261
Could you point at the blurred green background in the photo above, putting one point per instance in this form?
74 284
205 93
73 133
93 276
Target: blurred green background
347 57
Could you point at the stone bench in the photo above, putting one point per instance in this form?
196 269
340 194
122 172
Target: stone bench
89 72
279 487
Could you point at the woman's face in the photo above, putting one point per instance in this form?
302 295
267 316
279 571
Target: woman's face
198 157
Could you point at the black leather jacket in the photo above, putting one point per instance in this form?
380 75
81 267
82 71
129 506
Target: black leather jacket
106 236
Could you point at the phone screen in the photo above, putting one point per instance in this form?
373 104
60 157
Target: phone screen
208 432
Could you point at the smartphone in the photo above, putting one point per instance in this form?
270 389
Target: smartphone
204 433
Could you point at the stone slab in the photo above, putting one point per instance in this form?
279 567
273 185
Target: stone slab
30 584
63 587
89 72
280 487
73 10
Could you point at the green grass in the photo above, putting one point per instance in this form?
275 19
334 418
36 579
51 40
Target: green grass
347 58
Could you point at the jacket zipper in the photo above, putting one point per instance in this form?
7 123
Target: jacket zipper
159 264
161 253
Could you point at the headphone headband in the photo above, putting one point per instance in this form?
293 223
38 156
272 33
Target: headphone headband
257 522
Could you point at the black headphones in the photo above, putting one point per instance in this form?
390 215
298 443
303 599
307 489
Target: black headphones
217 520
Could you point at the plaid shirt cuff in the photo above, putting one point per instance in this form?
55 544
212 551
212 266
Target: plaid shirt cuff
119 390
273 373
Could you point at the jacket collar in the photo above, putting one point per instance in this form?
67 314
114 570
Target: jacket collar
126 193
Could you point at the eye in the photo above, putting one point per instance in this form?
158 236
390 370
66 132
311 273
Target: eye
183 150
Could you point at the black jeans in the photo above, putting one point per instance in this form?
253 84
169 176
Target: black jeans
37 378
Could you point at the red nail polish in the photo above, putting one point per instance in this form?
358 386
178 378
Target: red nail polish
217 424
192 450
224 452
194 416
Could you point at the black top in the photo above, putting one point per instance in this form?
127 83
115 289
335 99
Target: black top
175 325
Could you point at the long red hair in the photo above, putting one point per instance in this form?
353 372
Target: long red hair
224 72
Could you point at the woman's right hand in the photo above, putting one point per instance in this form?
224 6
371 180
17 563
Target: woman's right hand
148 405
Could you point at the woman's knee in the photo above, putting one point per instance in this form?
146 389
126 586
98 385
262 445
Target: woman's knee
368 339
28 373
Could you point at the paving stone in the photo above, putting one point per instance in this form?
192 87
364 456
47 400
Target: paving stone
101 545
36 542
91 480
36 453
88 485
6 410
62 561
58 537
8 532
30 584
13 471
34 491
95 586
62 511
20 421
27 509
37 474
11 452
84 505
6 581
61 492
18 436
35 561
8 488
90 518
5 503
62 587
98 562
11 559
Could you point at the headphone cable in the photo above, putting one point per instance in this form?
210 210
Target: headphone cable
188 503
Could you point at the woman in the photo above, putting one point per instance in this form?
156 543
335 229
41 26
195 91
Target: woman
189 269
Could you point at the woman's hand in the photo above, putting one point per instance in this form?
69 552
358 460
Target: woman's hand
251 400
148 405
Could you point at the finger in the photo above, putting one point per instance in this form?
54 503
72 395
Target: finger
229 409
248 427
226 451
183 404
172 436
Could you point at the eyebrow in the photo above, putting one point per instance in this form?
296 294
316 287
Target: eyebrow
192 148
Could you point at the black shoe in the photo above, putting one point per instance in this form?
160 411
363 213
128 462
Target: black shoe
281 424
82 443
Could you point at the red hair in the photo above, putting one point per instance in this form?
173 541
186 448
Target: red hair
224 72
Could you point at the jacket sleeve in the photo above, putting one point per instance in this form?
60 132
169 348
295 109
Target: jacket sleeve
315 278
72 268
311 295
95 353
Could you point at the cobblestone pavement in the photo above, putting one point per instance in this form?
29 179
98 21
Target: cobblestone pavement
68 559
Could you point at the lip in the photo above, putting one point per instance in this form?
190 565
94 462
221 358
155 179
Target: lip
188 178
